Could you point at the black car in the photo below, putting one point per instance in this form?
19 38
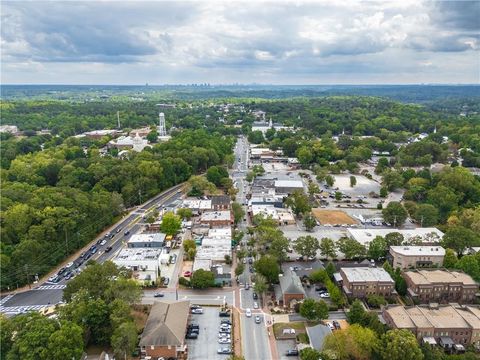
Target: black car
193 330
193 326
93 247
292 352
61 271
159 294
255 296
250 260
126 232
87 256
225 321
108 249
224 314
191 335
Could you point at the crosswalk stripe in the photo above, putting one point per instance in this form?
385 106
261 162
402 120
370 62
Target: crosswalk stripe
16 309
51 287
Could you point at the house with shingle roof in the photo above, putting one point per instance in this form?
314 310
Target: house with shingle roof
290 289
164 333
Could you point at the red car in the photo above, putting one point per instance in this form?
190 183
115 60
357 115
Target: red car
187 274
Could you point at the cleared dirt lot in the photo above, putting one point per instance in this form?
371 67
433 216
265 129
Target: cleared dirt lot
333 217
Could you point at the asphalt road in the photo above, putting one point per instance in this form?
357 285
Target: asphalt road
45 294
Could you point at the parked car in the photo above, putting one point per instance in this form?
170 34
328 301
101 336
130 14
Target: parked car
224 350
103 242
325 295
226 322
224 313
250 260
258 320
108 249
94 251
224 341
248 312
336 324
255 305
166 281
330 326
224 335
158 294
118 230
197 311
191 335
292 352
193 326
187 274
255 296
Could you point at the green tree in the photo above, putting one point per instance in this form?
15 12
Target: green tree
305 156
313 189
426 215
260 284
355 342
383 192
377 248
238 212
450 259
382 164
215 174
330 269
298 202
185 213
329 180
311 309
309 222
306 246
353 181
327 248
338 195
268 266
239 269
356 313
351 248
310 354
152 136
256 137
171 223
395 214
460 238
392 180
470 265
190 248
400 344
394 239
202 279
279 248
66 342
124 339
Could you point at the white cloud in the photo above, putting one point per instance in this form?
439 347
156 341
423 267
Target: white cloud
185 42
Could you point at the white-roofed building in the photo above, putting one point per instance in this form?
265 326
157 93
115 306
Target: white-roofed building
215 245
360 282
404 256
153 240
282 216
144 262
197 204
422 235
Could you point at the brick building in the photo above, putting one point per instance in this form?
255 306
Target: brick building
164 332
217 218
220 202
290 289
359 282
446 325
441 286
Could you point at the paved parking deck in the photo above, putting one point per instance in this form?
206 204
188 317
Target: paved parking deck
283 346
206 345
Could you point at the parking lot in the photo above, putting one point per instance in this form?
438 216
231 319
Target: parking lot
206 345
283 346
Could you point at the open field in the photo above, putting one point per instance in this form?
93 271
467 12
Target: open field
332 217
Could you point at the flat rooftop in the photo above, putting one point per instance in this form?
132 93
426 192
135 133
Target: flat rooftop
289 184
364 236
197 204
216 216
426 277
418 250
139 254
362 274
220 232
147 238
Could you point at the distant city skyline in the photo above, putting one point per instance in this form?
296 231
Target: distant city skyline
275 43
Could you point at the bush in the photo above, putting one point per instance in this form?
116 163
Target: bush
303 338
376 301
184 282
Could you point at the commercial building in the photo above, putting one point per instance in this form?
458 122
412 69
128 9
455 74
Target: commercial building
441 286
11 129
197 205
290 290
359 282
217 218
215 246
144 262
446 325
164 332
135 143
220 202
287 186
426 236
153 240
282 216
405 256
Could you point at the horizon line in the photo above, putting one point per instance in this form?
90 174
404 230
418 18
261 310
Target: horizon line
245 84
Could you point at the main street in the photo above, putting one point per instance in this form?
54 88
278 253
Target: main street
255 341
46 294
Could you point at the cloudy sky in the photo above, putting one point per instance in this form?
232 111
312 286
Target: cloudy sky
275 42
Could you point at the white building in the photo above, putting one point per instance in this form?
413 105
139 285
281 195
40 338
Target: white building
417 256
11 129
282 216
154 240
197 204
144 262
287 186
422 235
215 245
135 143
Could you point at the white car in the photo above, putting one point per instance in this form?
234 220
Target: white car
248 312
224 341
197 311
255 305
324 295
330 326
224 336
103 242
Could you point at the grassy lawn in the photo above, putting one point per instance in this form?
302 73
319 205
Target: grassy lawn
299 328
